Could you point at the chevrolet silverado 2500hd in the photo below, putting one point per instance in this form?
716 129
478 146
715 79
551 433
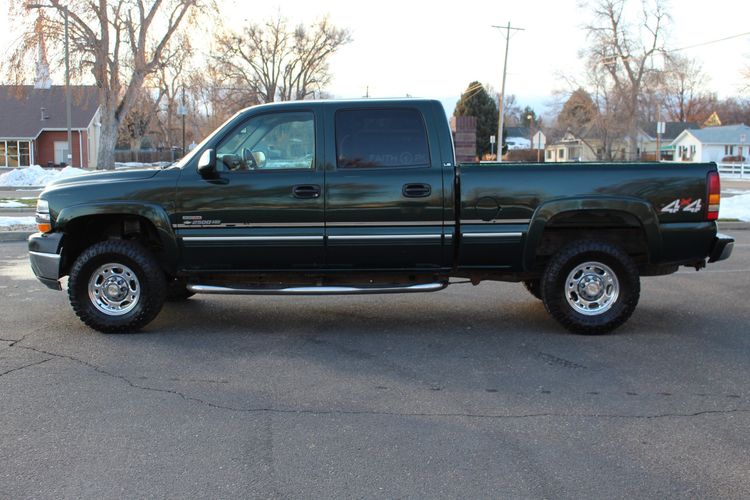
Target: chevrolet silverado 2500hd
340 197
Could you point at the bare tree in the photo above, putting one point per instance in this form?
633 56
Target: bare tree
121 43
734 110
607 128
683 90
169 83
278 63
624 40
136 124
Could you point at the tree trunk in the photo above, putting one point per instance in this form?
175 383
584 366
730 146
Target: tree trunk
107 141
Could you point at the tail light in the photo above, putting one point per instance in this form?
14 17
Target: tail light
714 195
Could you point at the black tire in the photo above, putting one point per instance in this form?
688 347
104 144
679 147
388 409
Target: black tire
138 272
534 287
606 310
177 291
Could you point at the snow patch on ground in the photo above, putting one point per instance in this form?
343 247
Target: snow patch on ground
17 223
736 207
37 176
11 204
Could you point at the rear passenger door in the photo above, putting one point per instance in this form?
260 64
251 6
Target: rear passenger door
384 190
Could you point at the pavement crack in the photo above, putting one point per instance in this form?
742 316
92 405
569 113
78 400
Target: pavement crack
27 365
292 411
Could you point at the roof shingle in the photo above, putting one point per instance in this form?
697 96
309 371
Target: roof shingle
22 118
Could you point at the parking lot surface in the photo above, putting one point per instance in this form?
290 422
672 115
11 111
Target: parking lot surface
472 392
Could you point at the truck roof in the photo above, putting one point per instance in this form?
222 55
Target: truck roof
364 102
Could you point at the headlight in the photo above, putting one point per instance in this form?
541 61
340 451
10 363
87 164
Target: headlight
42 206
43 223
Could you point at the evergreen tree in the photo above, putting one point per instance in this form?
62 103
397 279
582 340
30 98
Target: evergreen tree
577 112
475 101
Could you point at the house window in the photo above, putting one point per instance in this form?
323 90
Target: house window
549 154
561 154
24 153
729 150
15 153
12 153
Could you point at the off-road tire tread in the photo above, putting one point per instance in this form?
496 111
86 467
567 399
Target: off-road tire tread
579 251
150 275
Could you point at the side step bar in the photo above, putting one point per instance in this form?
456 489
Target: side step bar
319 290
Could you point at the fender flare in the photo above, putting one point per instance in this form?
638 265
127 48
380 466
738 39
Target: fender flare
642 210
156 214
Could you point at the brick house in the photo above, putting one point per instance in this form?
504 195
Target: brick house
33 126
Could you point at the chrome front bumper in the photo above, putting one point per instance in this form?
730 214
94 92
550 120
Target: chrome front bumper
44 255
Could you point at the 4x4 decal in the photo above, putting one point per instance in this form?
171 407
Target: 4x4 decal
684 204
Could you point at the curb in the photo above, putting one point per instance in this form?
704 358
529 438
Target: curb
18 210
8 236
734 226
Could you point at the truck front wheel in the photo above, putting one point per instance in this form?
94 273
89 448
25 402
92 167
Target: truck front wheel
116 286
591 287
534 287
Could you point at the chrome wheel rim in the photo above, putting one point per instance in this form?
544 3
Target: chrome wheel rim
592 288
114 289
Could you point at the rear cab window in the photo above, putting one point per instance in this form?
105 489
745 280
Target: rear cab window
381 138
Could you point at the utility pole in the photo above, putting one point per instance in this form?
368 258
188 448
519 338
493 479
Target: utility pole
500 122
67 92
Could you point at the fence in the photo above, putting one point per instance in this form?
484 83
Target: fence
147 155
738 170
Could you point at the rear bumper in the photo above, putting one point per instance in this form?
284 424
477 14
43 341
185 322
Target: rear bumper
721 248
44 255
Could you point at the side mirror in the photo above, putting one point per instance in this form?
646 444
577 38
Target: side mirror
207 163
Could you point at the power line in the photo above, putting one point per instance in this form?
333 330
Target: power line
709 42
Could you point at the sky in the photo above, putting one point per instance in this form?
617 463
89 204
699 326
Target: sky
434 49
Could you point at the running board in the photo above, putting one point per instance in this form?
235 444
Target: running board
318 290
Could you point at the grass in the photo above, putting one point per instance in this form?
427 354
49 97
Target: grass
31 203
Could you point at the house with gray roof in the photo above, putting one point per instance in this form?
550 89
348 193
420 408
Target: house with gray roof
725 144
648 142
33 126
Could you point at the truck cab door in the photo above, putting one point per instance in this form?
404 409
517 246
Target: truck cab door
384 190
262 209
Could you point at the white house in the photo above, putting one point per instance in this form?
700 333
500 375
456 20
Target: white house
724 144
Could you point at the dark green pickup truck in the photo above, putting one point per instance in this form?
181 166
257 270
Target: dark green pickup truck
352 197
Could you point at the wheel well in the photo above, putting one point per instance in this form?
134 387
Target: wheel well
618 228
82 232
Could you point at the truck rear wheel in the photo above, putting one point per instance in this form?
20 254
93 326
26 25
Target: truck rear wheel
116 286
591 287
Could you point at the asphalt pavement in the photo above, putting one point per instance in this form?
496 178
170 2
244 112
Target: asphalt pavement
472 392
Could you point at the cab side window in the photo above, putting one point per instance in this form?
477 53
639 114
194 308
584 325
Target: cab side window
275 141
381 138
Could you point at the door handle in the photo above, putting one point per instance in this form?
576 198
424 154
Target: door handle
416 190
306 191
